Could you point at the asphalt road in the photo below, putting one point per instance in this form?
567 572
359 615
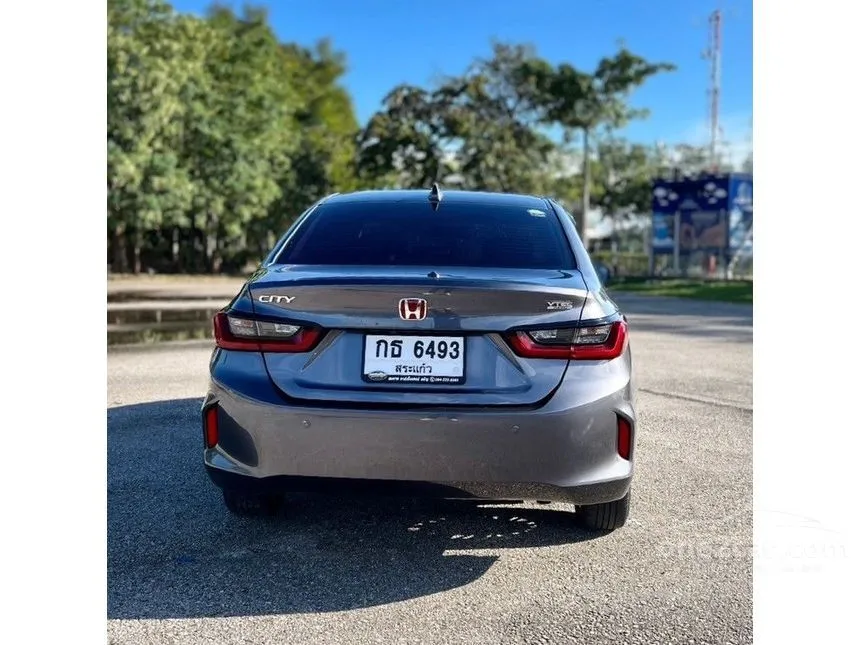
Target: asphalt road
181 570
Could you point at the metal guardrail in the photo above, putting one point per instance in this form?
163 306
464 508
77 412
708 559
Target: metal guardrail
154 312
149 321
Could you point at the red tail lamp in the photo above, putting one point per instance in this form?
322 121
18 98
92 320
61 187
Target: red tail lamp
625 437
210 426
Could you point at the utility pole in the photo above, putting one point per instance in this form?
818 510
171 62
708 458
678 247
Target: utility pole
714 54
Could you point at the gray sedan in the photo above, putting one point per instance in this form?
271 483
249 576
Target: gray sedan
456 344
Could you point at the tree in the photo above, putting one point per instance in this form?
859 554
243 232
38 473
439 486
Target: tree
408 141
583 102
475 130
492 117
146 70
622 174
240 133
324 159
689 159
219 135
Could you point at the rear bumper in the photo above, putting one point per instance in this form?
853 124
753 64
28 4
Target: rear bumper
565 451
509 491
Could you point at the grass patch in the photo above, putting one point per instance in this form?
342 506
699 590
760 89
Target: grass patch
735 291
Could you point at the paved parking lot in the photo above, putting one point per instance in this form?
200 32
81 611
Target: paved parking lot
181 570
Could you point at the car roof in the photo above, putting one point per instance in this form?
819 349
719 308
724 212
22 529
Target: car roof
448 196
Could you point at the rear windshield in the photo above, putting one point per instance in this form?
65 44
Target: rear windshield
412 234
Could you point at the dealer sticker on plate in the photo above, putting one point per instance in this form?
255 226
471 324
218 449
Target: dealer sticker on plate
437 360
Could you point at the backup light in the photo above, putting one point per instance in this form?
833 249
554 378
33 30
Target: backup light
251 335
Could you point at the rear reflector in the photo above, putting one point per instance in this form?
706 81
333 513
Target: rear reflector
625 436
247 334
210 426
602 341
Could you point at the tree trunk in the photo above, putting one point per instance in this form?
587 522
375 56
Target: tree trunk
218 257
138 242
213 252
209 242
586 189
120 250
195 260
174 250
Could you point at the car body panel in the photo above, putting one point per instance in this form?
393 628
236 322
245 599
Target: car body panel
568 443
477 304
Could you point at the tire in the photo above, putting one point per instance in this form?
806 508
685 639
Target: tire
248 505
604 517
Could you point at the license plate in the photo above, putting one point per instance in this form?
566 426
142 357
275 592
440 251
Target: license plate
435 360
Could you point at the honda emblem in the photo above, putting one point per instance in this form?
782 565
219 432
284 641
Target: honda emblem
412 308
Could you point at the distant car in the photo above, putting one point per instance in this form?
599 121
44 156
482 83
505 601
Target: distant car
454 344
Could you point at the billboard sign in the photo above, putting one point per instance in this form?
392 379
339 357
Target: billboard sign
664 209
740 214
714 213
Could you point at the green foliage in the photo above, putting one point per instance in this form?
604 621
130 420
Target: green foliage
721 291
623 264
240 129
405 143
219 135
622 175
147 185
583 102
577 100
324 159
217 131
476 130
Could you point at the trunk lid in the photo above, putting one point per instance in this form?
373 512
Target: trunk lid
453 355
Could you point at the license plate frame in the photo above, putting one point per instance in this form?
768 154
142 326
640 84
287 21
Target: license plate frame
383 370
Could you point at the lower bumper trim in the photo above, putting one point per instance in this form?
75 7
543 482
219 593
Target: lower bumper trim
593 493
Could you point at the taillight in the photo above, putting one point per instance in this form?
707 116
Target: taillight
210 426
602 341
247 334
625 437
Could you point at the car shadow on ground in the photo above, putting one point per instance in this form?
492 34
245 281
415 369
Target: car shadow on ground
175 552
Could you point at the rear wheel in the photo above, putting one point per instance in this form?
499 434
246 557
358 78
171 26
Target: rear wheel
604 517
251 505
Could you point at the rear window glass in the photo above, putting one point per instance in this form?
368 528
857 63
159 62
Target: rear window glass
472 235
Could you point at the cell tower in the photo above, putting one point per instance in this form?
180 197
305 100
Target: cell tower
714 54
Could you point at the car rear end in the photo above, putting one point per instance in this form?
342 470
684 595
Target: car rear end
461 347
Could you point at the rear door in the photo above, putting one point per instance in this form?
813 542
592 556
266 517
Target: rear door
416 303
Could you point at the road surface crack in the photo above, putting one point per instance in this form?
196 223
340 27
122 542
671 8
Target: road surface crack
698 399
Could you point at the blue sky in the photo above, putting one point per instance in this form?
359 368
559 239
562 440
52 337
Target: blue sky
388 42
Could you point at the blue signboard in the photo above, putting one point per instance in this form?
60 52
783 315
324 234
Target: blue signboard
703 213
714 213
740 213
663 233
664 209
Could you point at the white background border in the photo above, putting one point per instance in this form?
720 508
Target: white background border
53 159
53 208
806 457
